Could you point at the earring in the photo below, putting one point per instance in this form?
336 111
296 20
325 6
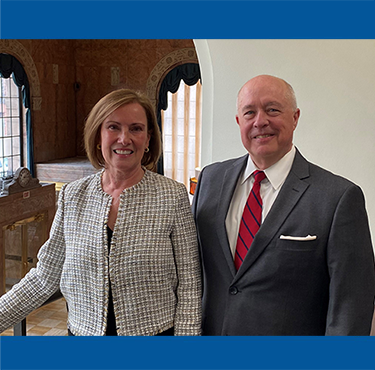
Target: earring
98 147
147 150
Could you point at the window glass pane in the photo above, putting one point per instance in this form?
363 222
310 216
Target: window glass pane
15 126
7 146
14 90
6 107
180 111
180 160
16 150
14 108
180 144
167 125
4 166
192 110
168 160
193 91
192 127
11 169
191 165
192 145
181 126
7 126
16 162
180 175
167 143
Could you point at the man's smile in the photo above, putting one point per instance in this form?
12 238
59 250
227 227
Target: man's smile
262 136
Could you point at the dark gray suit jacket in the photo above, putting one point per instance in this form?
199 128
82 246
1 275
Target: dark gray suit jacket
324 286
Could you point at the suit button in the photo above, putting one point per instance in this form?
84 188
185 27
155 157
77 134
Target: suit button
233 290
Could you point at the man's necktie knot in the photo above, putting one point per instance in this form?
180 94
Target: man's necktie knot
259 176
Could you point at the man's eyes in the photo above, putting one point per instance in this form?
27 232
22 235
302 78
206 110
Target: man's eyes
269 110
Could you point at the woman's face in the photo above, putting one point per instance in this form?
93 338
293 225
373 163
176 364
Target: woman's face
124 138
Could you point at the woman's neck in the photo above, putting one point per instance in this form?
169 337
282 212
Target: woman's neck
114 182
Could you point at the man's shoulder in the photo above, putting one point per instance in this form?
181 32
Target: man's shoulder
219 167
327 178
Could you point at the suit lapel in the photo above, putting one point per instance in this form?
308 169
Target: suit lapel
290 193
228 186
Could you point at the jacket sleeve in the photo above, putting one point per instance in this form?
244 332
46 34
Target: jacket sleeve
350 261
40 282
184 240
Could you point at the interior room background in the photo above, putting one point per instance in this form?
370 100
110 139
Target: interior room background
334 82
72 75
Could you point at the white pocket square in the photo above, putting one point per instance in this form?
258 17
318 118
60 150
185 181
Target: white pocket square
298 238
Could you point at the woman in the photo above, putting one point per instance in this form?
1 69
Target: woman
123 244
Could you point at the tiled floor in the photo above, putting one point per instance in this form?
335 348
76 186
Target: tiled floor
48 320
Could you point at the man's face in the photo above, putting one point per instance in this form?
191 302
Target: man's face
267 119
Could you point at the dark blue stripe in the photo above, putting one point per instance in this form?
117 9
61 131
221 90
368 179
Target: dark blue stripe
257 221
256 198
247 248
238 255
248 228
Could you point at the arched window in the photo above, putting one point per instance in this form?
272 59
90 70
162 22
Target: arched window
14 113
11 127
181 132
180 98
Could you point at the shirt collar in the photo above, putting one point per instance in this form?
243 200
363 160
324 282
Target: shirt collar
277 173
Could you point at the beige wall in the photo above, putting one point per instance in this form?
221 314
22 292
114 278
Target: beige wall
334 82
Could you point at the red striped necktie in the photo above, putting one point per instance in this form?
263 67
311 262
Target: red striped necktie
251 220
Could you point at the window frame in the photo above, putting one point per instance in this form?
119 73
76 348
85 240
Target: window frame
173 165
21 128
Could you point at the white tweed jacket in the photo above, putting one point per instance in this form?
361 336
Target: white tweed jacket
153 264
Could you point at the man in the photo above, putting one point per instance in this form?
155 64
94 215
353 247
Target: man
309 269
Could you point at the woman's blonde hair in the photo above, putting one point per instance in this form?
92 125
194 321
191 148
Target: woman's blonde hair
107 105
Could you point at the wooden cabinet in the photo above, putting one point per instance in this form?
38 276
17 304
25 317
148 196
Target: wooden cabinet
25 220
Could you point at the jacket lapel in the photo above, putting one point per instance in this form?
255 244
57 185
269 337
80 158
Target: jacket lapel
225 195
290 193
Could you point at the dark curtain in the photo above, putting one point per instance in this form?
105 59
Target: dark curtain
190 74
8 65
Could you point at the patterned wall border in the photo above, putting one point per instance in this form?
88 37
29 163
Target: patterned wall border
173 59
16 49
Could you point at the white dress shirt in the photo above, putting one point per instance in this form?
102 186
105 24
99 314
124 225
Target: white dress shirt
269 189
